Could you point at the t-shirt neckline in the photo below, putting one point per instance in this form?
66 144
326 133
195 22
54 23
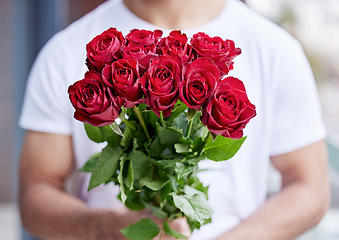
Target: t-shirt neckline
226 11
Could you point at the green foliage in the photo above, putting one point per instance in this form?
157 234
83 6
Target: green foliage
194 206
170 232
153 183
191 114
158 170
222 148
90 164
157 211
145 229
106 166
101 134
94 133
121 181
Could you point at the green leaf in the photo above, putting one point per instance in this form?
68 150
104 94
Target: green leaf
169 136
170 232
183 170
140 137
121 181
90 164
122 114
198 129
157 212
154 184
106 166
195 183
191 114
207 221
166 163
115 127
169 153
198 144
141 164
110 136
182 148
165 191
130 176
128 137
195 207
196 160
94 133
191 191
193 224
181 123
150 117
101 134
133 200
178 109
144 229
196 225
156 148
222 148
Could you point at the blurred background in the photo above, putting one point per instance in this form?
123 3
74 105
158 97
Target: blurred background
26 25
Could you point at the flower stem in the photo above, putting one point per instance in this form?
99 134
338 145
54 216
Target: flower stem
130 125
207 138
190 125
209 135
161 119
142 121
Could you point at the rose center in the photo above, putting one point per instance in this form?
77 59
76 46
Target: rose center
176 45
124 73
163 74
88 94
197 87
106 42
229 103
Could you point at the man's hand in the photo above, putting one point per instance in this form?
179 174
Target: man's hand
301 203
180 225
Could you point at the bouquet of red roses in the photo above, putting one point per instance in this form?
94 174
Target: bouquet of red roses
175 105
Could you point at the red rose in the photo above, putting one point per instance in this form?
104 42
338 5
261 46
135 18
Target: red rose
229 110
93 102
144 54
176 43
145 37
161 83
122 77
222 52
199 82
104 48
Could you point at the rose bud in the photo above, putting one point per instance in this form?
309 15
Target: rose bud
145 37
176 43
104 48
200 79
93 101
220 51
161 84
122 77
229 110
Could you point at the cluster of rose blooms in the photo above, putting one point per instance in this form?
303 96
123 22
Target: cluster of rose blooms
144 67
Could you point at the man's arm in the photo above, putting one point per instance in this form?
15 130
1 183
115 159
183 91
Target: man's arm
46 209
301 203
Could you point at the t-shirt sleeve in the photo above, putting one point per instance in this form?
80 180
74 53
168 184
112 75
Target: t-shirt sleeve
296 114
46 107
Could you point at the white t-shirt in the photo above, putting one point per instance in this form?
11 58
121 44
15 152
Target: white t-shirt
276 75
